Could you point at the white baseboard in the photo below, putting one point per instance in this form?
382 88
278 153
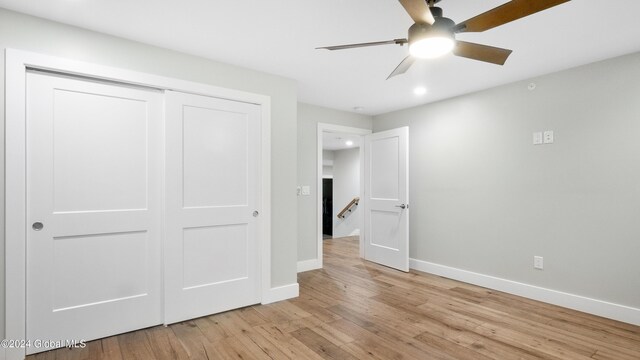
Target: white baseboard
592 306
281 293
308 265
355 232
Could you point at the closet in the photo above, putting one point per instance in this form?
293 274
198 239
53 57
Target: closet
142 207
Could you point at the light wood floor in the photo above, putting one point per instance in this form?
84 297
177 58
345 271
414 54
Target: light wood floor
356 310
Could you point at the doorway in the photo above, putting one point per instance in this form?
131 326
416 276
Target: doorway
384 215
340 161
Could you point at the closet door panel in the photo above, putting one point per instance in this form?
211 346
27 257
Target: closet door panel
93 208
212 179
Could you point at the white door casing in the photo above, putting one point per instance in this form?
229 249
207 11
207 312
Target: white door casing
316 263
94 183
212 192
386 220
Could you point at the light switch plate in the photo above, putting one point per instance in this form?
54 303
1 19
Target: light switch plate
306 190
537 138
548 137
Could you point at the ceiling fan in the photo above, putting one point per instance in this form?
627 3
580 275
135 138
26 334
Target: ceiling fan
434 35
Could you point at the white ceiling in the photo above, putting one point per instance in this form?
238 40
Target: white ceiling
338 141
279 37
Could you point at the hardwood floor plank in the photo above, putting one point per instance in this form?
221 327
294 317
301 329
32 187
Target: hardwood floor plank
251 316
449 346
370 316
192 339
289 345
274 314
325 300
134 346
503 351
165 345
318 309
332 334
293 325
231 323
320 345
548 348
291 310
110 348
273 351
211 328
408 347
240 347
367 349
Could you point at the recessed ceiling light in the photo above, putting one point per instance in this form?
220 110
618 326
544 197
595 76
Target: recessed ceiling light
358 108
349 143
420 90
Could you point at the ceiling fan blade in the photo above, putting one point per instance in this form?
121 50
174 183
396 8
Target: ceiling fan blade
418 10
376 43
403 67
513 10
480 52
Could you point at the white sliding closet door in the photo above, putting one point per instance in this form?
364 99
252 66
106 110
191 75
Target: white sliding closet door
212 184
93 209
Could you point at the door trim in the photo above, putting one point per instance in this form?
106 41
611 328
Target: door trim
324 127
17 62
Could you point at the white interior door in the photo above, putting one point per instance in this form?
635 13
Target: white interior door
212 184
93 209
386 220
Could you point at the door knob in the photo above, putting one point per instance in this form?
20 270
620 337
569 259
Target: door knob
37 226
402 206
256 213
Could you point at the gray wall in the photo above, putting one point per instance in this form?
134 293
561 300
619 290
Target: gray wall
327 172
308 118
327 163
485 199
346 186
33 34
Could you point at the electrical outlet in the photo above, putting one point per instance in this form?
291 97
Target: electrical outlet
548 137
538 262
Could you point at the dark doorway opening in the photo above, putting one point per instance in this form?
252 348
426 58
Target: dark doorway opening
327 208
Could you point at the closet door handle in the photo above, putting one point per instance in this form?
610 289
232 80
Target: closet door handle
402 206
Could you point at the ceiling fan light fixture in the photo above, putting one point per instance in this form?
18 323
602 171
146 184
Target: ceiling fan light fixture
432 47
431 41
